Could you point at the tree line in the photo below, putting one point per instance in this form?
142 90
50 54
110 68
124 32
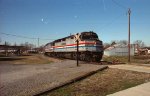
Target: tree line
140 43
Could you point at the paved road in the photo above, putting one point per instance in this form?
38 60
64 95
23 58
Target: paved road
146 65
145 69
27 80
140 90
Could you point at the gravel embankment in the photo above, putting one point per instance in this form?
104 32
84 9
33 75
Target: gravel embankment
28 80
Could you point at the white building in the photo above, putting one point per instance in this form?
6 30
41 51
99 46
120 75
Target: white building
148 50
119 50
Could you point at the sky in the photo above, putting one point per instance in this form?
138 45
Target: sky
26 20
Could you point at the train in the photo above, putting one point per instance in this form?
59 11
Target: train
89 45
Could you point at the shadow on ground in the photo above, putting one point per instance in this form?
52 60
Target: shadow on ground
10 58
103 63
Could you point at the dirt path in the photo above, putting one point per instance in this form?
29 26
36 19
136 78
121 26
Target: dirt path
144 69
29 59
19 80
109 81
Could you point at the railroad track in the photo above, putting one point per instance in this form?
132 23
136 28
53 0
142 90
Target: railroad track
103 63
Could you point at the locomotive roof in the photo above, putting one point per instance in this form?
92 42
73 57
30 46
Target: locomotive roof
63 38
58 40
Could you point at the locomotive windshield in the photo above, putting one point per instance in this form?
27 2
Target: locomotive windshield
89 35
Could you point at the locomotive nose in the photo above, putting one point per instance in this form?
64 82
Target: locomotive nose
98 42
99 45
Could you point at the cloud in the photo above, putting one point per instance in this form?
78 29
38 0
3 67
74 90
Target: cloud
45 22
104 6
75 16
42 19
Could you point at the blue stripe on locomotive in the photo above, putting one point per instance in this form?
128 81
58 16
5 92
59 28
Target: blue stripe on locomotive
94 48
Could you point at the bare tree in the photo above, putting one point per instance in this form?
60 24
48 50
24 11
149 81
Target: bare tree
15 44
0 40
7 43
113 42
31 46
106 45
27 45
124 42
140 43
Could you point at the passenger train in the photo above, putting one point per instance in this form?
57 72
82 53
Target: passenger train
90 47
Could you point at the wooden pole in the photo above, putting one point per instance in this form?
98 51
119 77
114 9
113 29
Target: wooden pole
129 12
77 52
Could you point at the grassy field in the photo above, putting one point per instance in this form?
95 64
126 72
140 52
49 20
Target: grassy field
99 84
28 59
124 59
41 59
102 83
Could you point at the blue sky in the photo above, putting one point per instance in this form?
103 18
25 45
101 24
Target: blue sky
53 19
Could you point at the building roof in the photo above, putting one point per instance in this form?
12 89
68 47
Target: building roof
118 46
146 48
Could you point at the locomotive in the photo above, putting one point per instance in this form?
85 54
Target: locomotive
90 47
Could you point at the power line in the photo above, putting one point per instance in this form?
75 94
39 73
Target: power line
108 24
46 39
118 4
19 36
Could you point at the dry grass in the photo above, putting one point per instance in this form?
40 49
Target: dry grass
134 59
29 59
142 59
103 83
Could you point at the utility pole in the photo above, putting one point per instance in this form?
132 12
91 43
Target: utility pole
6 49
129 12
38 42
77 54
38 45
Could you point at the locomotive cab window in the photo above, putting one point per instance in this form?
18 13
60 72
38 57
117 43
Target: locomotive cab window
72 37
91 36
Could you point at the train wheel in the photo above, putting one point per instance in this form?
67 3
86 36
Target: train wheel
97 59
82 57
93 59
88 58
74 56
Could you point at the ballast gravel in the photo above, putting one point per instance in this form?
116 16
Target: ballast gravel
29 80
